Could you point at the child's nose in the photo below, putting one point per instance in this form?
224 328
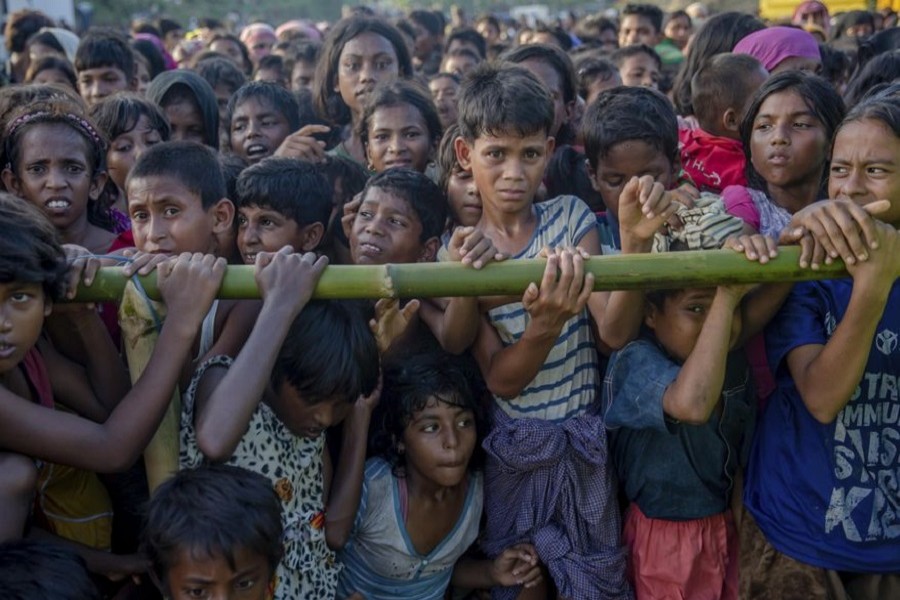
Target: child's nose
451 438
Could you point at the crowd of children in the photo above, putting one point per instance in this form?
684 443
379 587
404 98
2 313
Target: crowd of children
734 441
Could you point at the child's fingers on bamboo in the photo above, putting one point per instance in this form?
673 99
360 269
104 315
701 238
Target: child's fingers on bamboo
863 226
817 228
819 254
868 224
806 250
411 308
842 234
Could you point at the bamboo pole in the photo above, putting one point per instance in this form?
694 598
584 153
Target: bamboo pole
704 268
139 334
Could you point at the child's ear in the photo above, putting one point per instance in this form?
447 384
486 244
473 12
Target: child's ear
430 250
551 146
310 237
11 181
463 153
222 213
651 313
98 182
731 121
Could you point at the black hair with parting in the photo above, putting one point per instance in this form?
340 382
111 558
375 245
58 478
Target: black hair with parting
722 83
423 196
210 511
823 102
272 94
295 188
398 93
30 250
345 363
31 569
193 166
48 62
883 107
652 13
558 60
501 98
467 34
410 385
629 113
622 54
120 113
328 101
105 48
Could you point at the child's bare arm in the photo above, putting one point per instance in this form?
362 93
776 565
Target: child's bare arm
696 390
508 370
188 285
346 489
827 375
644 207
226 399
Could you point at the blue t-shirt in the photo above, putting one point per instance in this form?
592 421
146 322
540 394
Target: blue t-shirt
829 495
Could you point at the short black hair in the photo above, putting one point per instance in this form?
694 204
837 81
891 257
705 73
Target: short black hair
498 98
139 26
447 162
424 196
30 249
722 83
119 113
410 384
32 569
467 34
622 54
194 166
166 25
218 70
105 48
398 93
558 60
294 188
329 353
884 68
46 38
679 14
276 96
245 54
232 166
212 510
629 113
818 95
154 58
49 62
652 13
428 20
589 28
329 102
276 63
591 69
559 34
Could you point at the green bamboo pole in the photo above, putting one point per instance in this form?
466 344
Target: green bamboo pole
704 268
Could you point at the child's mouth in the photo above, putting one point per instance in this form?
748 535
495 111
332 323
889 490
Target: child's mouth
257 151
6 350
369 249
58 204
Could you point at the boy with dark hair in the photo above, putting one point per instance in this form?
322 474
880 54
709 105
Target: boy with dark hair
214 516
261 115
281 202
595 76
638 65
104 63
489 28
225 79
713 155
465 37
640 24
428 41
171 33
539 356
31 569
271 69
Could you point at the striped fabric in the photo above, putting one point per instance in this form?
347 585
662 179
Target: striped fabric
569 380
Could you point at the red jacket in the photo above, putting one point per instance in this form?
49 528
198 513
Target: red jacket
713 162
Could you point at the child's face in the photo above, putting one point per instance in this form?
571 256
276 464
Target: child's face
865 166
507 168
679 31
636 29
788 145
55 174
640 70
465 202
96 84
302 75
23 308
168 218
443 91
551 79
631 158
304 419
257 129
365 61
271 75
459 64
186 121
262 229
398 137
198 575
387 230
229 49
677 325
438 443
127 148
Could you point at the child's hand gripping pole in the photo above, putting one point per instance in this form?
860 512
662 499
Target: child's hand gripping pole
140 319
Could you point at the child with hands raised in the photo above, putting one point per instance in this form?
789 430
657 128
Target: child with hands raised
299 372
